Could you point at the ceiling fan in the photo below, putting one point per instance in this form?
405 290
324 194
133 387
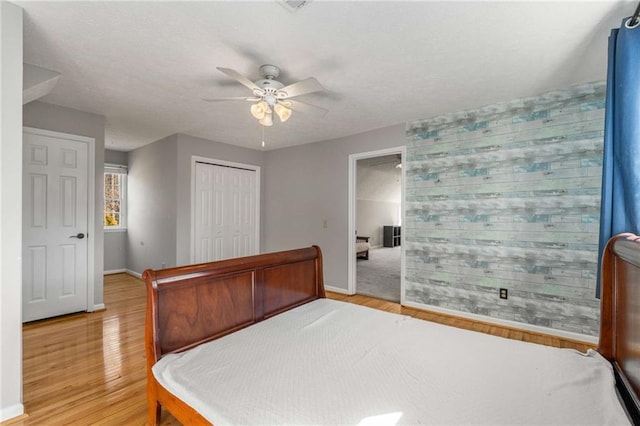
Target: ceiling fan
271 95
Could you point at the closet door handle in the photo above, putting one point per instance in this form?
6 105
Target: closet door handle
79 236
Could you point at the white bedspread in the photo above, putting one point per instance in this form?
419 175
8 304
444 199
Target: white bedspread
330 362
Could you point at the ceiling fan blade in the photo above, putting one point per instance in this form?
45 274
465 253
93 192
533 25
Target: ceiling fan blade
233 98
302 87
305 107
240 78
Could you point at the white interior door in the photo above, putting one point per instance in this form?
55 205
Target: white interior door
203 205
241 190
225 212
55 225
218 213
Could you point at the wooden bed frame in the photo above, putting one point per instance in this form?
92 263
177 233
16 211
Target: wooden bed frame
190 305
619 340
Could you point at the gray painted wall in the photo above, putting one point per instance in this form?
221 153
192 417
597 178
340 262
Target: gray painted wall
115 251
306 185
115 242
151 197
115 157
371 216
159 197
10 211
508 196
66 120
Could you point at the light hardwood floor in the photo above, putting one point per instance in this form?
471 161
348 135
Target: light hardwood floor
87 369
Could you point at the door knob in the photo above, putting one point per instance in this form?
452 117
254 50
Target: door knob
79 236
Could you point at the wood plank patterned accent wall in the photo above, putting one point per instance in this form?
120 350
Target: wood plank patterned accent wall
508 196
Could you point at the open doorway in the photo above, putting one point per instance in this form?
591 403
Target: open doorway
375 220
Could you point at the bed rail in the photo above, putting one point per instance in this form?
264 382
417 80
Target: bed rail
620 316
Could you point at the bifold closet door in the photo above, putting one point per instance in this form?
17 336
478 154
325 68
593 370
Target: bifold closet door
225 217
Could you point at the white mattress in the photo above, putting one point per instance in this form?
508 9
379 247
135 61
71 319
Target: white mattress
330 362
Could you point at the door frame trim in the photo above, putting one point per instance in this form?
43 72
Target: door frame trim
91 204
351 234
198 159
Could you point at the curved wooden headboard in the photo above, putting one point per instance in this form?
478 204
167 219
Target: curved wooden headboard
190 305
620 316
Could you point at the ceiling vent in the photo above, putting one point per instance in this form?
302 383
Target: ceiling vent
293 5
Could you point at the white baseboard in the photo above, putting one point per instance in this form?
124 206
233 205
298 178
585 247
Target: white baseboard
98 307
115 271
336 289
507 323
134 273
10 412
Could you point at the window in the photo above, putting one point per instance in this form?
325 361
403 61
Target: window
115 197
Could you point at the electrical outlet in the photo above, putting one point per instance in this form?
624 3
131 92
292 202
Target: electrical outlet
504 293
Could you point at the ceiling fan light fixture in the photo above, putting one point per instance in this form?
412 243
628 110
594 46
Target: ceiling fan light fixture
259 110
283 112
267 120
268 93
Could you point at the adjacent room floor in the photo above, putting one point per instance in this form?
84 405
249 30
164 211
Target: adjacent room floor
380 275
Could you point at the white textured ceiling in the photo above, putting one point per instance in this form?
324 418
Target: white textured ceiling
146 65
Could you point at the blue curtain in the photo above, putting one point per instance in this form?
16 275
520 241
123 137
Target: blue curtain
620 208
